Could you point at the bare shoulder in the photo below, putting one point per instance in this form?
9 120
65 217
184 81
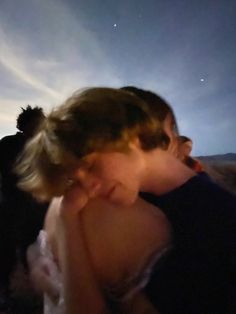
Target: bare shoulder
120 239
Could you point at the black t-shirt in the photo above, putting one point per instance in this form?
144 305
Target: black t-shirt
198 275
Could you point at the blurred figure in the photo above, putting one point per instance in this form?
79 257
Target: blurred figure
184 150
21 216
222 173
11 145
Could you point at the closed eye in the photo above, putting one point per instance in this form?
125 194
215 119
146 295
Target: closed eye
89 166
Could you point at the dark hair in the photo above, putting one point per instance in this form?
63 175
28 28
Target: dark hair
158 106
28 115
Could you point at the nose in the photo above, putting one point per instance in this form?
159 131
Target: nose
89 182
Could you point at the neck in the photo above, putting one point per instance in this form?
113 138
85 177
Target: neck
164 172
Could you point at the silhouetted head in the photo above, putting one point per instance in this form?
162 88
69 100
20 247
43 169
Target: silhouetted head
29 120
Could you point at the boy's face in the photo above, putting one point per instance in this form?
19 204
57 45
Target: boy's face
115 176
118 176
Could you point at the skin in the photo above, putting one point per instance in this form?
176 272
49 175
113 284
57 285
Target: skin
77 236
91 174
106 235
157 172
119 177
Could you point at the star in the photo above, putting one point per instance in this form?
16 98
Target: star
202 80
115 25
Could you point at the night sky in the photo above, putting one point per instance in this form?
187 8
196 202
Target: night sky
183 50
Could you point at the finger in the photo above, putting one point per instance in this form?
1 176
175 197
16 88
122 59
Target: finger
74 199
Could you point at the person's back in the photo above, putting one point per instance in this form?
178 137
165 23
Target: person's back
21 216
10 147
16 203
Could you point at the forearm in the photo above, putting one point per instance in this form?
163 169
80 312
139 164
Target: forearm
82 292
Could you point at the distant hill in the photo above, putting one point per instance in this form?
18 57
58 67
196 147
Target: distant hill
222 168
230 157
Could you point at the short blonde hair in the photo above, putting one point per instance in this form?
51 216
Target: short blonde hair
96 119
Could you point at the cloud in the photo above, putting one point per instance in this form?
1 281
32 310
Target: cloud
6 117
16 65
8 122
56 57
44 67
59 47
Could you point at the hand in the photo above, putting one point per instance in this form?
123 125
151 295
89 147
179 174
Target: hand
73 201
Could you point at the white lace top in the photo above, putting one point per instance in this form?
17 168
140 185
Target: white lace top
120 292
49 306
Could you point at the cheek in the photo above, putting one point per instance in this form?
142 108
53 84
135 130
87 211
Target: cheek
119 167
107 170
114 171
